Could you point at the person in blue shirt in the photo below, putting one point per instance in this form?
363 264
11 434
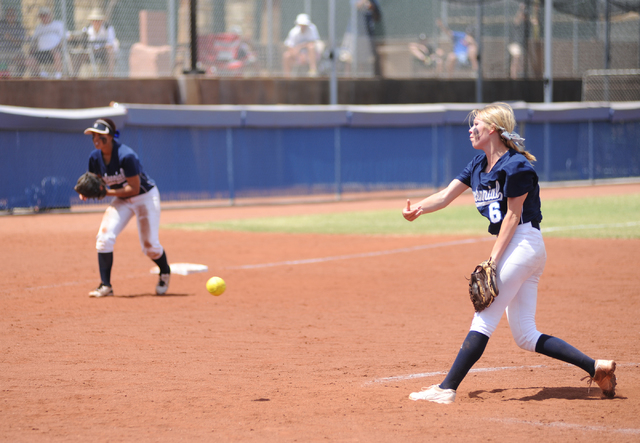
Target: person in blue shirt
506 191
135 194
464 51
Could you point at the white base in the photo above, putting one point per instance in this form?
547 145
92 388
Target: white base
183 268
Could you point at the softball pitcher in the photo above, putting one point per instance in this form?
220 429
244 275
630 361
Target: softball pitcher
506 191
135 194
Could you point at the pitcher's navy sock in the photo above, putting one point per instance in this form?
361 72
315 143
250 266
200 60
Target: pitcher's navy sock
470 352
561 350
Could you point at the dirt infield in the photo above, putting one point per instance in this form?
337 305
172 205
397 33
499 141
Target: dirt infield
318 338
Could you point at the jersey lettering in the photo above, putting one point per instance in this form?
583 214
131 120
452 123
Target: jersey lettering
484 197
117 179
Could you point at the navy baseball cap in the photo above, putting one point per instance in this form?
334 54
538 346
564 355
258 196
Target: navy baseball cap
100 127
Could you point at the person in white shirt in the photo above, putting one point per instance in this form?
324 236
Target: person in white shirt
303 46
45 44
101 39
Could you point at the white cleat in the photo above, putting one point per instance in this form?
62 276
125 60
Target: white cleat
163 284
435 394
102 291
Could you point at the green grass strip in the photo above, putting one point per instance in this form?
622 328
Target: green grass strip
594 217
580 218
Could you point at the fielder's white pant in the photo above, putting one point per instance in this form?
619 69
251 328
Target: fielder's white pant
519 272
146 208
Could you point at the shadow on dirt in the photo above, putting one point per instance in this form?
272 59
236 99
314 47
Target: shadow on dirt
565 393
153 295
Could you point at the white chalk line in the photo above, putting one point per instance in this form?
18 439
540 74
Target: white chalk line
300 262
418 248
563 425
362 255
476 370
431 374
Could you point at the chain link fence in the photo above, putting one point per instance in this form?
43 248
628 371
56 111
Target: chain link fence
611 85
249 38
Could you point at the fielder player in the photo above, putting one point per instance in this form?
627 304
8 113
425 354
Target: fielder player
506 191
135 194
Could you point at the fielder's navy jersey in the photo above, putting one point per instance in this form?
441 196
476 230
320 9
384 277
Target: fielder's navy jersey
511 176
124 163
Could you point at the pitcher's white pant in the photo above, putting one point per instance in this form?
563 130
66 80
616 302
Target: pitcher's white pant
519 272
146 208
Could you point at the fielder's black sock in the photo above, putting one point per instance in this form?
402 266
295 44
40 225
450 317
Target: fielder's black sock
470 352
561 350
163 264
105 262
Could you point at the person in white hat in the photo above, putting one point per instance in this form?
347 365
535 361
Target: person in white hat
303 46
101 37
45 44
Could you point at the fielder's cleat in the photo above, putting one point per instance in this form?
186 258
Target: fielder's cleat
605 377
101 291
163 284
435 394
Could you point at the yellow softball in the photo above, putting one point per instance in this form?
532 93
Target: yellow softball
216 285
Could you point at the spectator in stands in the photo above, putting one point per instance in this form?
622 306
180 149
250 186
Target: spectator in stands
464 52
12 36
525 42
425 54
516 41
101 39
244 55
368 21
303 46
45 44
372 14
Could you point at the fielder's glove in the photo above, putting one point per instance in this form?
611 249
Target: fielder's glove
482 285
91 186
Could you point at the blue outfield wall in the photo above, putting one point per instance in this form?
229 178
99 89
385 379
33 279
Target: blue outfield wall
229 152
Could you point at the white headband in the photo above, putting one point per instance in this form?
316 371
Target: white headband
512 136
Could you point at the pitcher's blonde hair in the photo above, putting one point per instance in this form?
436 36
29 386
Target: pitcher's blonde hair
500 116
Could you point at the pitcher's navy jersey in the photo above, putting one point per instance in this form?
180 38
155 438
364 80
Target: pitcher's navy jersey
124 163
511 176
